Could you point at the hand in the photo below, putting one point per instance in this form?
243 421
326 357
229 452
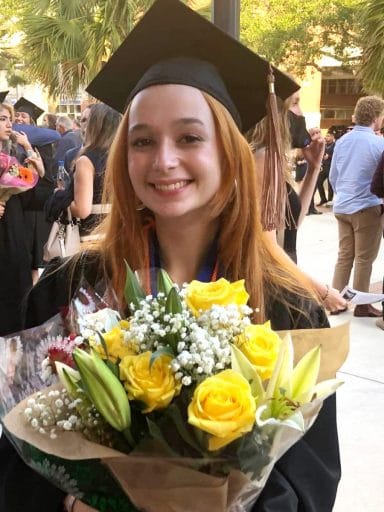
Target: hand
335 301
315 151
37 163
22 139
2 209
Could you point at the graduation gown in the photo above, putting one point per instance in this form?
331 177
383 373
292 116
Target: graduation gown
305 479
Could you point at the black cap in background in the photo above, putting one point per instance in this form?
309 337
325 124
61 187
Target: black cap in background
24 105
3 95
174 44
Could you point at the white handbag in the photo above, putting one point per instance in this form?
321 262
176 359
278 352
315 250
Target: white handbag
64 238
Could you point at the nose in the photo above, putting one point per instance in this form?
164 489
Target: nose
166 157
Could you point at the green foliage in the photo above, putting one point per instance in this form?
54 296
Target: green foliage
298 33
66 42
372 69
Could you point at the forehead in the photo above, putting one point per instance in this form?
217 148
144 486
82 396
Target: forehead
5 112
185 101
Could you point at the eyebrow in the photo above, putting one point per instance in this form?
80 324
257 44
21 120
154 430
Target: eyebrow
182 121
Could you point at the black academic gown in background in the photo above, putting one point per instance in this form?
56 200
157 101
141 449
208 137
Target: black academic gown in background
305 479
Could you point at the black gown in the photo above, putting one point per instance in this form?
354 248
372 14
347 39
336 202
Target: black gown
305 479
15 265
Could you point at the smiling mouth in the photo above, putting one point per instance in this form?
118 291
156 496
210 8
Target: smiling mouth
170 186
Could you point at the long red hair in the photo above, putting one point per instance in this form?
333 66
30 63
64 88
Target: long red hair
245 252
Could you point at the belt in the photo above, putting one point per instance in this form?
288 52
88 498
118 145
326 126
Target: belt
100 209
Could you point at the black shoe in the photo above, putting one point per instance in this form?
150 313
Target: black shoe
313 211
323 201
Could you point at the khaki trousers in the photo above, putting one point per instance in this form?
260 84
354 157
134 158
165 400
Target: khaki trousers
359 242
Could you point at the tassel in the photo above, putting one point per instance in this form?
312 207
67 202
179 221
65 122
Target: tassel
274 194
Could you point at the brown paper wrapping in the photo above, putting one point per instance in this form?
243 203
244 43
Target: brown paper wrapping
166 485
334 343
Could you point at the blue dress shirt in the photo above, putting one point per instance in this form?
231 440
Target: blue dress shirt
354 161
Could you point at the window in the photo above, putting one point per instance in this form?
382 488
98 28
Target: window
336 113
340 86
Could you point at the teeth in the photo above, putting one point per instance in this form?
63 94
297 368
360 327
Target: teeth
171 186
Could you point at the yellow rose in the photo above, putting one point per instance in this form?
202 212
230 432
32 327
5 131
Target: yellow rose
261 347
223 406
117 347
201 296
156 386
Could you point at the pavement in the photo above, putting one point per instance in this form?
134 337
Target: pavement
361 398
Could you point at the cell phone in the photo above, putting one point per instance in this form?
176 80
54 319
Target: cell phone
300 138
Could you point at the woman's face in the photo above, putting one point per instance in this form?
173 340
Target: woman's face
22 118
5 124
173 153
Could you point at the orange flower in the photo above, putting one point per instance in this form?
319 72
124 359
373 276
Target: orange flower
26 174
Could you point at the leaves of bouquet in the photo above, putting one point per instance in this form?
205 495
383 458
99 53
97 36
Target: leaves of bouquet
174 413
242 365
133 293
167 351
157 435
164 282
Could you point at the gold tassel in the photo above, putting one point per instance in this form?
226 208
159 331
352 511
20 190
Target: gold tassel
274 194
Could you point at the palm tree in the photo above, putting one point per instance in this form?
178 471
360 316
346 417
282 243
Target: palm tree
372 68
66 42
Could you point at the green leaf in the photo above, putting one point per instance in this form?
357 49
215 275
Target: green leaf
157 434
174 413
160 352
113 367
173 304
133 292
164 282
103 344
242 365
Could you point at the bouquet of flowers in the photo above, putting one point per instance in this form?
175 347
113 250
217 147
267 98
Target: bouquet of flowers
15 178
184 396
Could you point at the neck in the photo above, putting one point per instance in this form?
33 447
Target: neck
183 246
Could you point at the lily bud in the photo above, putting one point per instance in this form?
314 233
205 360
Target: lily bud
104 389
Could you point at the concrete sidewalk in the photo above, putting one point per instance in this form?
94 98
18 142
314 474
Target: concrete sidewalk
361 398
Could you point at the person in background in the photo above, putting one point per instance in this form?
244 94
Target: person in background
15 266
26 112
89 169
49 121
325 167
71 154
69 138
294 134
357 210
37 228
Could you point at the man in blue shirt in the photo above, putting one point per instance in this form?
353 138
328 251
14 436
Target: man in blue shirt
357 210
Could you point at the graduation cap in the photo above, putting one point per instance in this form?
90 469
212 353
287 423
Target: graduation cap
3 95
172 44
24 105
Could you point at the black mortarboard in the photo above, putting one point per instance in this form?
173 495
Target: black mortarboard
173 44
24 105
3 95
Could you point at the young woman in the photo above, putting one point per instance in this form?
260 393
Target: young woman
15 275
90 164
184 190
298 202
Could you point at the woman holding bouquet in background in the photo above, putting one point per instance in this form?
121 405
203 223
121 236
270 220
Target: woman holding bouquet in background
15 275
184 189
